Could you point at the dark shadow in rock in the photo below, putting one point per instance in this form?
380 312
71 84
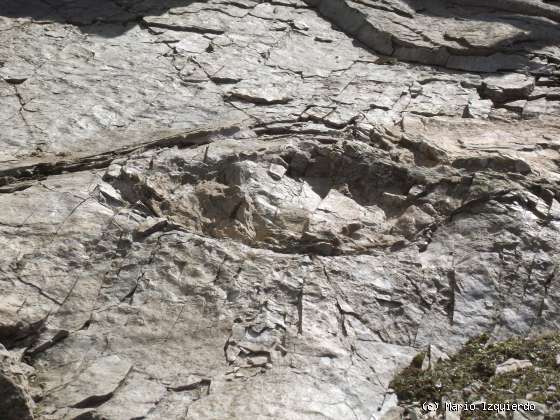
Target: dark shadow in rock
107 18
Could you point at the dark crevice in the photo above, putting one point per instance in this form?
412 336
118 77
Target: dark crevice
35 170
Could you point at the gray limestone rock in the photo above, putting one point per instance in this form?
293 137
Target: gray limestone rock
512 365
478 108
245 209
16 402
508 87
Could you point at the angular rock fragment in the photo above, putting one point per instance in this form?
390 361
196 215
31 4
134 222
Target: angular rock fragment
478 108
512 365
276 171
508 87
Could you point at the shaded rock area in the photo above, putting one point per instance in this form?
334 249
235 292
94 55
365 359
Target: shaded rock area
253 210
16 401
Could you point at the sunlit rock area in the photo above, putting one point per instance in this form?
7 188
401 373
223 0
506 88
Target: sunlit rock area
240 209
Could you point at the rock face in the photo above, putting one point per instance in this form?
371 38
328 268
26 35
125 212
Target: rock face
16 403
245 209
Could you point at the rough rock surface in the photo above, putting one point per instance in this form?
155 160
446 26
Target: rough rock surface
246 209
16 403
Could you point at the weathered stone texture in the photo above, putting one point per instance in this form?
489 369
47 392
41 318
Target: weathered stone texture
244 209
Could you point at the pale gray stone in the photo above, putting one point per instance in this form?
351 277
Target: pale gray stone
244 209
479 108
96 383
538 413
508 87
512 365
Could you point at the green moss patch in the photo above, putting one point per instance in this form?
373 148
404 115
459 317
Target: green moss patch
469 375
